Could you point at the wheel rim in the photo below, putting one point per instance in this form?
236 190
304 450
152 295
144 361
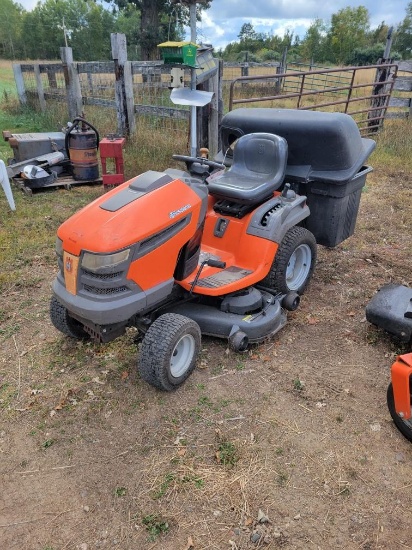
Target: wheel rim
182 355
298 267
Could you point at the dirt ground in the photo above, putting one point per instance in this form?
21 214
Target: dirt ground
289 445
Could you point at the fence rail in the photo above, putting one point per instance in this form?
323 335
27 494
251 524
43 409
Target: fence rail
365 97
138 90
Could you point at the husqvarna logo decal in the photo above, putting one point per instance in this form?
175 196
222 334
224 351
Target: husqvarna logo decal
69 265
180 211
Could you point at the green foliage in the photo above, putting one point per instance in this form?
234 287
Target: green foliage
11 30
155 526
348 31
84 25
403 36
347 40
370 55
227 453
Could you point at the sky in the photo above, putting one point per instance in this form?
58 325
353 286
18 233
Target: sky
221 24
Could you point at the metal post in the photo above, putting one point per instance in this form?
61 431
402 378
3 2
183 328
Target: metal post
193 137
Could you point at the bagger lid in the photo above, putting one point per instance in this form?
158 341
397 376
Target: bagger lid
322 146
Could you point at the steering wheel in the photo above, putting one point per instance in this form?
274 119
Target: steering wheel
200 160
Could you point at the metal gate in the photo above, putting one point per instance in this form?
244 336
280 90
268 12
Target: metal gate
362 92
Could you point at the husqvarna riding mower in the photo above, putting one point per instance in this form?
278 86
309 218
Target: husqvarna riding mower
391 309
214 251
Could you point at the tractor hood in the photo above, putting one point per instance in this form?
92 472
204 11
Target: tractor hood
137 209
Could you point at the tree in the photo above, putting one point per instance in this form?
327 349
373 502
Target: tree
158 22
10 29
313 44
247 33
403 37
85 25
349 28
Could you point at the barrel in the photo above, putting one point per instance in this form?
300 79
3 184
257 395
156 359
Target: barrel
82 146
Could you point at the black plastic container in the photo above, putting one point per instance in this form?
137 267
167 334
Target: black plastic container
333 208
326 162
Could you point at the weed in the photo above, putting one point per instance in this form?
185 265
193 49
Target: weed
48 443
9 330
282 479
279 451
204 400
344 488
218 369
120 491
198 481
169 478
298 384
155 526
227 454
339 418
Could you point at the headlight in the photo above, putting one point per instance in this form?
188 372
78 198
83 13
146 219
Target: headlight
59 247
94 262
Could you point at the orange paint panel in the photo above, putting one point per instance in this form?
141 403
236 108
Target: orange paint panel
158 266
401 371
236 248
102 231
70 269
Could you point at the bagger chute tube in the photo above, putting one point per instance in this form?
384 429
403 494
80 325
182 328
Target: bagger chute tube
178 254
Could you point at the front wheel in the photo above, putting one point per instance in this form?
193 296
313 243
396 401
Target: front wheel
169 351
294 262
404 426
61 319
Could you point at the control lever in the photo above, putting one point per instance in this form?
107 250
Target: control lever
212 263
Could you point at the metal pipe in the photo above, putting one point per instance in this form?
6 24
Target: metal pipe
193 131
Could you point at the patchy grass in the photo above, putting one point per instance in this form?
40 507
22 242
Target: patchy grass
93 456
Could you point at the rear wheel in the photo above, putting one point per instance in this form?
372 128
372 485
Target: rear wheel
169 351
294 262
64 323
404 426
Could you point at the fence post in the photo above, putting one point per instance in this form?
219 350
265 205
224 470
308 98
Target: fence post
245 65
380 99
39 86
71 79
21 89
123 85
216 110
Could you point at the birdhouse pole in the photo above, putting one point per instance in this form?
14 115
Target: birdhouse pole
193 132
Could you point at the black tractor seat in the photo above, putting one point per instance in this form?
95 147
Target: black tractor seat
258 169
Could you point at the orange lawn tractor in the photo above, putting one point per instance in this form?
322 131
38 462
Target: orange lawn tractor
391 309
214 250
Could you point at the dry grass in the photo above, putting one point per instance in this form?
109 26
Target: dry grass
287 446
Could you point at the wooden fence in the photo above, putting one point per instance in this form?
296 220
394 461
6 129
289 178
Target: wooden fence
133 89
136 89
400 103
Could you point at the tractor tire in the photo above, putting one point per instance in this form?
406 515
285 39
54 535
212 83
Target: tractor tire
169 351
64 323
402 425
294 262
